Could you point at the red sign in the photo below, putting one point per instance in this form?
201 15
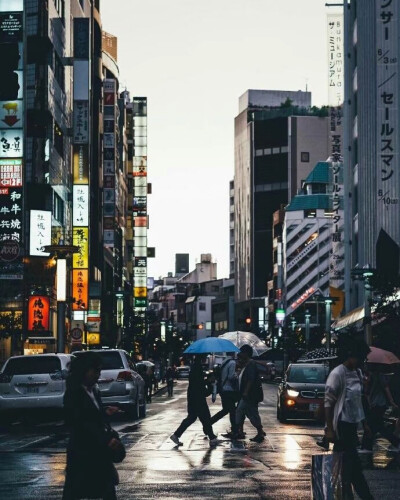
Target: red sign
38 313
303 297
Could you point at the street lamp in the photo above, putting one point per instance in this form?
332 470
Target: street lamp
365 274
328 320
61 252
307 316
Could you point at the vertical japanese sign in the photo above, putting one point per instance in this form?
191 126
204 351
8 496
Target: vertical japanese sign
140 221
387 97
335 100
38 314
11 140
81 159
40 232
110 158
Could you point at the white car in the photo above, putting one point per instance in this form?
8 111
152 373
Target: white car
119 383
33 382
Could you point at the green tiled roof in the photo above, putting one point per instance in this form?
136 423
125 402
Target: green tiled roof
319 174
309 202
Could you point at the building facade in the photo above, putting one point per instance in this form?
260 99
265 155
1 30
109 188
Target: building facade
371 141
278 137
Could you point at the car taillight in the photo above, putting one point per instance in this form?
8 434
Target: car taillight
125 376
5 379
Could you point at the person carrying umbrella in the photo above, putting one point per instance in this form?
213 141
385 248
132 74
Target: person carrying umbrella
197 405
251 393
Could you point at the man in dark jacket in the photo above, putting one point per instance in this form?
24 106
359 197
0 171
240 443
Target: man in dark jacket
251 394
197 405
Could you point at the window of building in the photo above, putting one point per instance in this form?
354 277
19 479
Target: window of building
58 208
310 213
305 157
58 139
60 7
202 306
59 71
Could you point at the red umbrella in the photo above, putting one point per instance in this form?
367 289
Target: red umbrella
382 357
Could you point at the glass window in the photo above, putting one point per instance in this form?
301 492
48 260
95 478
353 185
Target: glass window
305 157
58 139
202 306
307 374
33 365
111 360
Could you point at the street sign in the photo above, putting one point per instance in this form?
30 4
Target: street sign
76 336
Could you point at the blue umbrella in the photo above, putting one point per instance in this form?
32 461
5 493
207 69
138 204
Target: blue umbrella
211 345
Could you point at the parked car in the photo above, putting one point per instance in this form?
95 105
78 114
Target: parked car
119 383
182 372
33 382
301 393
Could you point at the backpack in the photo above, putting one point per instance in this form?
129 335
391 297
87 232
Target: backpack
220 382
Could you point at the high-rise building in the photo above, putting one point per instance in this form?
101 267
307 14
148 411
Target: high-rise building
278 138
371 140
231 229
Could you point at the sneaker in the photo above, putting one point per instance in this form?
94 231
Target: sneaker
228 435
258 439
175 440
214 442
324 444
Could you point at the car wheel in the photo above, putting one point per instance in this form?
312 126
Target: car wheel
281 415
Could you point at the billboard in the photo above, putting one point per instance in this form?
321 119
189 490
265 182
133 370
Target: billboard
80 238
80 289
80 205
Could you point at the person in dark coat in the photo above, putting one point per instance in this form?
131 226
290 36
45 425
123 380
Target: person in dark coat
197 405
90 472
170 375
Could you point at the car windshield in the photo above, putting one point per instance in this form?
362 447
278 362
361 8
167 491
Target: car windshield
111 360
32 365
307 374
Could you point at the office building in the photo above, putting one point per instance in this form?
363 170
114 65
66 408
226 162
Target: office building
371 141
278 138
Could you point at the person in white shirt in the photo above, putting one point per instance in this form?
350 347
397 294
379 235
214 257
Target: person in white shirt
344 412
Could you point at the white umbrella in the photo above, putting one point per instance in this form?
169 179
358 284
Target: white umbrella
242 338
147 363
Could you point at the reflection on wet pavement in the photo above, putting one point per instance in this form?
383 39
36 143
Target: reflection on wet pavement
278 468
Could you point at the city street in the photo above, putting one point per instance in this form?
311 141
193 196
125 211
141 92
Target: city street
32 459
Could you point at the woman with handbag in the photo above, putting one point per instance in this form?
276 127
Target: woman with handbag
93 444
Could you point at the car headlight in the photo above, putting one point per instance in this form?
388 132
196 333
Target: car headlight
292 393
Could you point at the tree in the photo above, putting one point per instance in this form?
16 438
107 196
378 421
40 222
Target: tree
10 323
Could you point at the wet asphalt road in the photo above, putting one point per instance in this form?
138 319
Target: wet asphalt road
32 458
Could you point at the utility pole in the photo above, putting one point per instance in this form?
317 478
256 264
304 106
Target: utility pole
308 316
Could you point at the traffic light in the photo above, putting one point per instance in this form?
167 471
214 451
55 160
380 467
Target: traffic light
9 84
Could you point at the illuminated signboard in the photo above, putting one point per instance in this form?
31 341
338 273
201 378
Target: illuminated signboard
11 114
303 297
140 292
80 236
11 143
40 232
80 289
81 164
80 205
38 313
10 173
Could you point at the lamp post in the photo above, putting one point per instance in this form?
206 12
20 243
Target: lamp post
61 252
328 320
367 274
307 317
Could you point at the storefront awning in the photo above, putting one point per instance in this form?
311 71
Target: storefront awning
349 319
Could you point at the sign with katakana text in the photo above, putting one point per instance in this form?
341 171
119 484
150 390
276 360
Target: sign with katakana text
335 59
80 236
80 209
81 122
81 164
38 314
387 120
40 232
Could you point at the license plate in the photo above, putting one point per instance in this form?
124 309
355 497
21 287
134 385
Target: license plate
32 390
313 407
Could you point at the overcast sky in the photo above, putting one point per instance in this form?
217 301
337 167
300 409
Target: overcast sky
193 59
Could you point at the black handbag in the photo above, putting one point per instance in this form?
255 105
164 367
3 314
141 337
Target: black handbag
119 453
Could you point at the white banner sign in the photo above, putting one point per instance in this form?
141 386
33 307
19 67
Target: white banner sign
40 232
80 205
